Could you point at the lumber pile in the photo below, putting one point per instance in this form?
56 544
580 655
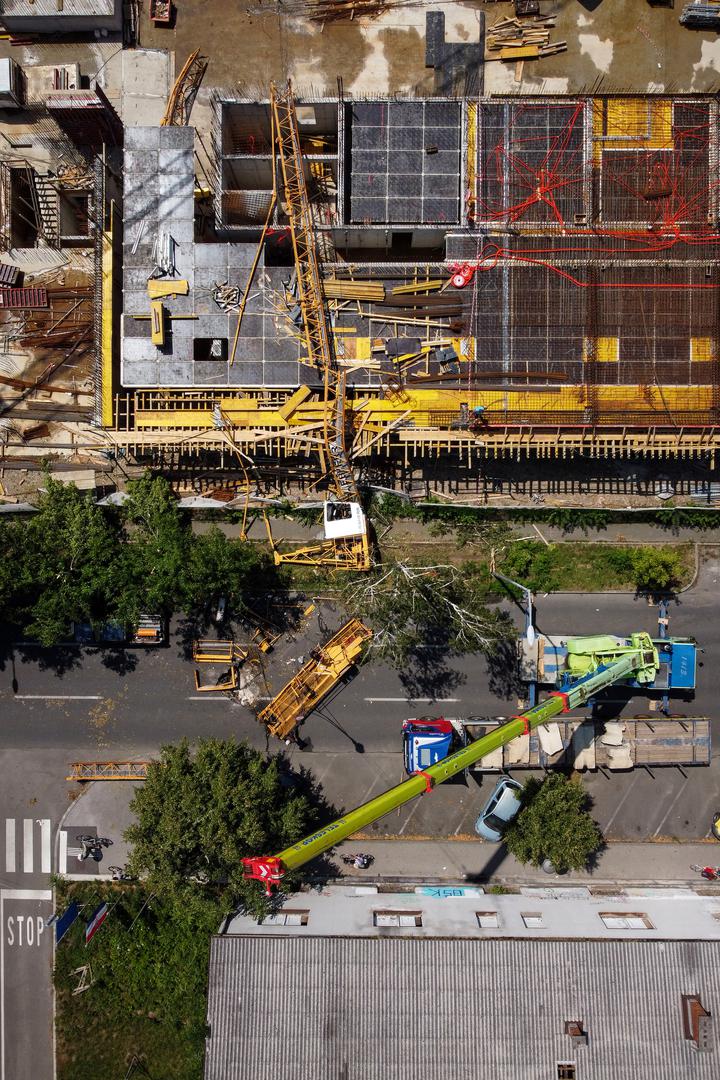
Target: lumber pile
513 38
336 10
335 289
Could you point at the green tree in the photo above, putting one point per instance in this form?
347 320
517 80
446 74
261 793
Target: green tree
199 814
533 564
216 566
64 562
154 560
408 606
656 570
554 824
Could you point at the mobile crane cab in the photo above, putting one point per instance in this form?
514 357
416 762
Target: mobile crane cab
343 520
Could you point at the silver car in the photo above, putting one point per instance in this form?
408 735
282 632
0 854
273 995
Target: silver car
500 809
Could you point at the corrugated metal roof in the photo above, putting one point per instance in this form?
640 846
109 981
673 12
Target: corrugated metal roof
446 1009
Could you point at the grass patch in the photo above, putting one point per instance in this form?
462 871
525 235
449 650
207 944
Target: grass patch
591 567
573 567
148 996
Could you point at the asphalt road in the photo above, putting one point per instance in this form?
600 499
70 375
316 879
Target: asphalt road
72 704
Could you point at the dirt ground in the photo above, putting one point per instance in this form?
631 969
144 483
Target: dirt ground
612 46
625 47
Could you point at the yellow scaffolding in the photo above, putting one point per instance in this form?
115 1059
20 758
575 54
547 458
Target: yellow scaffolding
215 651
85 771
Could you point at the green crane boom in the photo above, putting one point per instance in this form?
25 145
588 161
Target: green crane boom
639 661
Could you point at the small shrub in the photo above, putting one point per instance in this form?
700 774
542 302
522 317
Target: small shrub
656 569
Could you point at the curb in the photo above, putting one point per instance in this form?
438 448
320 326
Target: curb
554 882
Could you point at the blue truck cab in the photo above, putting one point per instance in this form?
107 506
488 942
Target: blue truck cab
677 665
426 741
676 671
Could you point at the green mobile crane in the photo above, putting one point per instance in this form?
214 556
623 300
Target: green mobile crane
636 662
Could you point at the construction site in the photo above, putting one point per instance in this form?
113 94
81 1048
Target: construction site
519 279
455 290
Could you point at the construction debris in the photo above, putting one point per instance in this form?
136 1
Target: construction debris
227 297
514 39
701 16
323 11
353 290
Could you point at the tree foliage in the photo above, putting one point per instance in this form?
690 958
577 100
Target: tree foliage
74 561
408 606
149 983
62 563
656 570
554 824
199 814
155 556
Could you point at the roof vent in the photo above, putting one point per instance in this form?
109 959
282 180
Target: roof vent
697 1023
574 1028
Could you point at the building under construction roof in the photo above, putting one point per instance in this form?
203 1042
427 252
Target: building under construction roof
535 275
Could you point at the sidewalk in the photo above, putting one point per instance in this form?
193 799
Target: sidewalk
473 861
403 531
104 806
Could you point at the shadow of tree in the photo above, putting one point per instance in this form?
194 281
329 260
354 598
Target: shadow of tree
60 658
503 668
428 675
121 661
304 782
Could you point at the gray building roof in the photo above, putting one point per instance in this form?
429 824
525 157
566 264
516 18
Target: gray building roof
384 1008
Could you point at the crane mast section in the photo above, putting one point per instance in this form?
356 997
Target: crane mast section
311 295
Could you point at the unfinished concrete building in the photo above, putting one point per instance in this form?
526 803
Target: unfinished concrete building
56 146
505 278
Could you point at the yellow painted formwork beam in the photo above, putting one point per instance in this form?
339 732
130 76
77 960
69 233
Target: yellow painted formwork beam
108 770
437 408
315 679
106 323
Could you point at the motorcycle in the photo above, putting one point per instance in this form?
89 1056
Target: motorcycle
360 860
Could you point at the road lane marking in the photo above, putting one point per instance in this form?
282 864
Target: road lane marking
26 894
672 805
63 852
28 824
9 845
619 806
208 698
409 818
57 697
45 863
11 894
413 700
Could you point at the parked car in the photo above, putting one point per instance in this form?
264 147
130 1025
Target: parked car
500 809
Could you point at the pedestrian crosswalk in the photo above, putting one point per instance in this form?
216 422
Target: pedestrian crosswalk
28 847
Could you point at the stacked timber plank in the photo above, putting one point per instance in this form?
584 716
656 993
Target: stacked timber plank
511 39
421 303
336 289
336 10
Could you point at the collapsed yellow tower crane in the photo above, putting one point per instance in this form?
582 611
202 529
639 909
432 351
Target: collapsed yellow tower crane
345 544
184 91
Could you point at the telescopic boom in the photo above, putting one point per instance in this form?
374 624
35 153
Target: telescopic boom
639 660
